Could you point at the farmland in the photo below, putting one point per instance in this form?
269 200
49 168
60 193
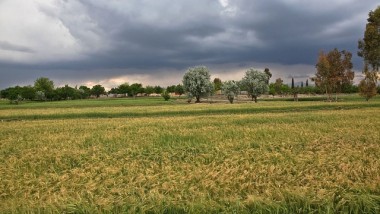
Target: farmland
147 155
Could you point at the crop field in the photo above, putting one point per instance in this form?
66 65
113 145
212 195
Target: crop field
151 156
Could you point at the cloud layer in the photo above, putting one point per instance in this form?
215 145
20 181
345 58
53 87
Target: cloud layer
92 41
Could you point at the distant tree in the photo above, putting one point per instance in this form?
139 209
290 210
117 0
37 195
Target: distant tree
69 92
196 82
149 90
45 85
266 70
28 92
40 96
84 92
179 89
165 95
256 82
367 86
333 71
307 82
278 86
369 50
12 93
135 89
285 89
114 91
295 91
158 89
292 82
217 84
272 90
64 93
301 84
231 89
369 46
97 90
124 89
171 89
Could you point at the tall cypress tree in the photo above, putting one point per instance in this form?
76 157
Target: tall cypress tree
307 82
292 82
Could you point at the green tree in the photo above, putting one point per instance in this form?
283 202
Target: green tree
231 89
124 89
28 92
256 83
149 90
12 93
135 89
367 86
171 89
97 90
179 89
114 91
64 93
40 96
165 95
217 84
266 70
45 85
84 92
369 46
272 90
158 89
333 71
292 82
295 91
285 89
278 86
196 82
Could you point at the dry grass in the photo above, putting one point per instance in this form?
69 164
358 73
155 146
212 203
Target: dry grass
286 162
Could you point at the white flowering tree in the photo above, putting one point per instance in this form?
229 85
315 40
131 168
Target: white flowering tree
256 83
196 82
231 89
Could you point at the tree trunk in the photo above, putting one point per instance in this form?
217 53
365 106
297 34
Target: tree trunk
198 99
255 99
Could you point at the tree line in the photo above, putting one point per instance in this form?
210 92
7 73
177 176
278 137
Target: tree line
44 90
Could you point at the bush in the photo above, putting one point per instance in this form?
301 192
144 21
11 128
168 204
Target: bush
231 90
166 95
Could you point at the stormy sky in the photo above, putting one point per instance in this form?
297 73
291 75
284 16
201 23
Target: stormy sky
153 42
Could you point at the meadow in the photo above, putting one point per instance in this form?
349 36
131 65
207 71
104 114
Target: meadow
151 156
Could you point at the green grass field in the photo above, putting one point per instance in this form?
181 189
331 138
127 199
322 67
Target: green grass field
152 156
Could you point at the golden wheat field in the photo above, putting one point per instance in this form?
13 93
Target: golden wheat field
269 157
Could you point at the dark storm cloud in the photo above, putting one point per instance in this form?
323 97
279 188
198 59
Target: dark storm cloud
115 38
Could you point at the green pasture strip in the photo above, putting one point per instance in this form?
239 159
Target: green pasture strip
109 102
207 109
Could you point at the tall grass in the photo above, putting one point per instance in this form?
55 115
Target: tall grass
318 158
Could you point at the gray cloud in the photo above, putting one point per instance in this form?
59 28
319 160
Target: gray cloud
13 47
96 39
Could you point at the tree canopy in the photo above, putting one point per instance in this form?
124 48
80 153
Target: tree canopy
256 83
97 90
369 46
231 89
334 70
196 82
